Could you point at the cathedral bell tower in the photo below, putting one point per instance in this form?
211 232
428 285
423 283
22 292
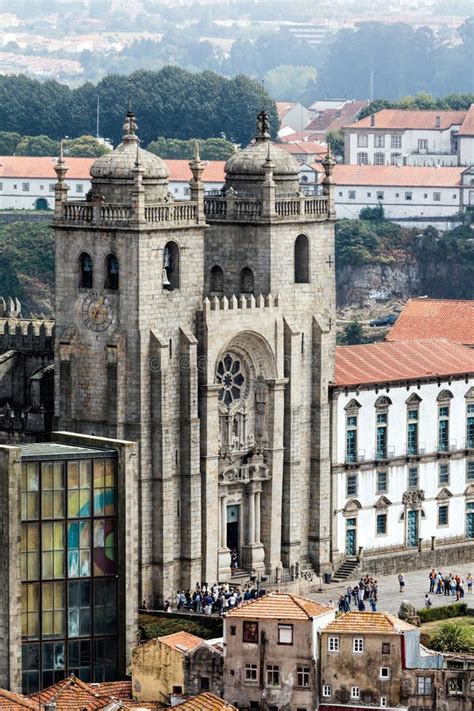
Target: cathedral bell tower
129 281
266 339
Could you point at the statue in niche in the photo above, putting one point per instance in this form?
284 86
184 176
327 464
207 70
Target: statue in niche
260 407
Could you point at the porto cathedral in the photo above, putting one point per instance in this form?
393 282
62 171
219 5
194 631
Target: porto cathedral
203 330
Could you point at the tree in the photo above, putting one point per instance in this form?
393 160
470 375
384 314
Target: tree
85 146
37 146
289 82
8 142
372 214
451 637
335 140
353 333
210 148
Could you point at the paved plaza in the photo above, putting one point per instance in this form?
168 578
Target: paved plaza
389 597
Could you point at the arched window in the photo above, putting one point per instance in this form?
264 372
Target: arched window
170 274
246 281
301 260
217 279
111 272
85 271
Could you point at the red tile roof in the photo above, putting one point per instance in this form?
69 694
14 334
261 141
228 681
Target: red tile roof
281 606
182 641
283 107
393 175
467 128
400 119
72 693
204 702
401 361
435 318
306 147
297 136
334 119
79 168
368 623
15 702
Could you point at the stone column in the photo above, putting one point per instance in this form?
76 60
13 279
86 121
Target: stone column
251 523
223 528
257 517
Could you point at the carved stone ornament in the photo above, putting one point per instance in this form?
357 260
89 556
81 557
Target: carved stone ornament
413 499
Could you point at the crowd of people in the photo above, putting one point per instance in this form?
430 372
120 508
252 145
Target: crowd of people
362 596
449 584
208 599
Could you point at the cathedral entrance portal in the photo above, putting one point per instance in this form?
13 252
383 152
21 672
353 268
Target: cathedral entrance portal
233 530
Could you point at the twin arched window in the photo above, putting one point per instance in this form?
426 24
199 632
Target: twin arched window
301 260
86 271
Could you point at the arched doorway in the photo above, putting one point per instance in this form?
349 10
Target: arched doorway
41 204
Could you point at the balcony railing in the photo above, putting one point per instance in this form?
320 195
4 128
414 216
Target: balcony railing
245 208
113 214
391 452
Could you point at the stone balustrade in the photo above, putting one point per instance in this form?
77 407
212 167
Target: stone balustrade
81 212
241 209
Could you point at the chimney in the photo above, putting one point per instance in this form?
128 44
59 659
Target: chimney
372 119
438 122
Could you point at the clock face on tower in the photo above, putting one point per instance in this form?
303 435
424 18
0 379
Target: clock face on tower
97 311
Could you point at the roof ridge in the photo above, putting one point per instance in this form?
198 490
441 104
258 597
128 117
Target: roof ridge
19 699
296 599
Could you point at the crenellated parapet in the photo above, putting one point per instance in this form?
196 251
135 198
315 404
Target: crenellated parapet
27 335
245 302
9 307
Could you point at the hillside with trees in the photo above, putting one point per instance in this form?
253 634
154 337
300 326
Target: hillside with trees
171 102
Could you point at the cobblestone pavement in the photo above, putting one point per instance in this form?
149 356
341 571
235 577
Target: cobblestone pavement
389 597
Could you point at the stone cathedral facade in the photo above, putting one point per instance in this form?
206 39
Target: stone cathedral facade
204 330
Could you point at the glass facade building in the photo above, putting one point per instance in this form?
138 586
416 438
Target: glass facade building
69 567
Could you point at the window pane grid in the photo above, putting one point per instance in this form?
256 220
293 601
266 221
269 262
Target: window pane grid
53 551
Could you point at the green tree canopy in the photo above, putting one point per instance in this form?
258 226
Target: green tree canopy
37 146
289 82
84 147
353 333
335 140
8 142
210 148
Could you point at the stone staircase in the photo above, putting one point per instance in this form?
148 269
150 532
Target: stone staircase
345 570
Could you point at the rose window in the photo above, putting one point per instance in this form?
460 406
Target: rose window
231 379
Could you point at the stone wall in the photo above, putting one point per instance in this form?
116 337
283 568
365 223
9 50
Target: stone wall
447 558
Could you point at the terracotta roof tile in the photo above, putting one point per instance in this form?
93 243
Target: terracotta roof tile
334 119
308 147
15 702
393 175
182 641
297 136
204 702
72 694
117 689
280 606
467 128
435 318
403 119
283 107
405 360
367 623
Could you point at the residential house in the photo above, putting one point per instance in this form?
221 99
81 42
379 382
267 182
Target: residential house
205 702
373 660
334 118
271 652
409 195
177 664
363 657
403 453
402 137
305 151
292 115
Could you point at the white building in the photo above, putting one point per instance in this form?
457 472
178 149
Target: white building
403 446
400 137
408 194
292 115
27 183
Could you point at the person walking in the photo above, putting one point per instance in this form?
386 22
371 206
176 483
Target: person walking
469 583
401 581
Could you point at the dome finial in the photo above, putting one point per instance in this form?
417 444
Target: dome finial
263 127
130 127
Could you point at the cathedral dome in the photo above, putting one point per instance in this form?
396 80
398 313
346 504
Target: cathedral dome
246 168
119 164
114 174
